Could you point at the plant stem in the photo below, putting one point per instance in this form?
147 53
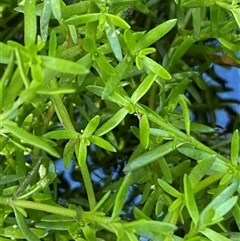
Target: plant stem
60 108
66 122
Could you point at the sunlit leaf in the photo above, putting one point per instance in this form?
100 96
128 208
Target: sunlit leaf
186 113
156 68
235 147
84 18
28 137
61 134
144 131
190 200
213 235
165 169
113 40
200 170
45 18
112 122
63 66
143 88
68 152
149 157
121 195
91 126
155 34
30 22
56 9
102 143
168 188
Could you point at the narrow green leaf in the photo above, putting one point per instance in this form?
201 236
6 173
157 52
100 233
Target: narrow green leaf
218 200
197 155
197 3
113 40
68 152
102 201
84 18
235 148
146 228
61 134
91 126
59 91
149 157
231 46
28 137
114 80
5 179
63 66
181 49
30 22
143 88
169 189
52 44
190 200
112 122
121 195
175 92
155 34
118 21
200 170
6 52
82 153
130 41
54 225
144 131
23 69
12 232
56 9
73 33
165 169
156 68
196 21
212 235
186 113
236 14
224 208
44 19
102 22
98 141
104 64
29 235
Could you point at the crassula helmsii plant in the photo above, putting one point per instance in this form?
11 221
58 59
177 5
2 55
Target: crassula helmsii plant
92 84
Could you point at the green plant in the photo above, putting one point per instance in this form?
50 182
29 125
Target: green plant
84 78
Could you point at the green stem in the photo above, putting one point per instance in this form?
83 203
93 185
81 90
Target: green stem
85 216
38 206
167 126
66 122
88 185
60 108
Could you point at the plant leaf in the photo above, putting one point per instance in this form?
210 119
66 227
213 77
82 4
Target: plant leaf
190 200
28 137
112 122
63 66
102 143
149 157
155 34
